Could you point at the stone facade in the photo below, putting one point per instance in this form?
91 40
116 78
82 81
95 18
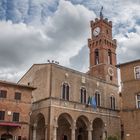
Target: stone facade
130 114
61 109
19 128
52 106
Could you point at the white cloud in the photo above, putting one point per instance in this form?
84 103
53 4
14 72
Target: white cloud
60 38
68 30
129 46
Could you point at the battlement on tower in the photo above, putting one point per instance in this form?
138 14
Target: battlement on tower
98 21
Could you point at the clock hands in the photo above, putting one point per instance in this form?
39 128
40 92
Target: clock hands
96 31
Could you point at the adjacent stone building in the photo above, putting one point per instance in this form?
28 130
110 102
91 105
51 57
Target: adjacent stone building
130 113
64 102
15 111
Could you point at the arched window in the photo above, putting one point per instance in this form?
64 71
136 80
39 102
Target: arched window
65 91
83 95
138 100
65 137
112 102
98 99
80 137
96 56
109 57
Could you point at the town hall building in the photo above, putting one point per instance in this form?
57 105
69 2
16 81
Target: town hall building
61 109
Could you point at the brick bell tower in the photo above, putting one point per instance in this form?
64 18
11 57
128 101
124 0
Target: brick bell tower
102 50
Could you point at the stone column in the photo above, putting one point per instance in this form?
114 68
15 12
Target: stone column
90 131
73 133
46 132
34 131
55 132
73 128
55 128
89 134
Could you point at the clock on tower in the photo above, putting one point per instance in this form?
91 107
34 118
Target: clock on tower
102 51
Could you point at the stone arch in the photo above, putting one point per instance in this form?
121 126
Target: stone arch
64 123
96 53
98 129
39 127
82 124
6 136
109 56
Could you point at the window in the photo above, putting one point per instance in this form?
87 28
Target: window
3 93
109 57
17 95
138 100
107 31
112 102
2 115
83 95
15 117
65 91
96 56
98 99
137 72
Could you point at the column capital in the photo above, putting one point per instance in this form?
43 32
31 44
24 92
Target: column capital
55 126
35 126
90 128
73 125
73 128
55 118
46 126
55 122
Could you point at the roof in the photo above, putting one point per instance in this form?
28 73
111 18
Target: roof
64 68
58 66
15 84
126 63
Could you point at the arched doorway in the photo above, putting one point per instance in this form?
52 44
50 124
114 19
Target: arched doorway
64 127
65 137
98 129
40 129
80 137
81 131
6 137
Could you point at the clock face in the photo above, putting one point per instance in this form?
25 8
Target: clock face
96 31
110 71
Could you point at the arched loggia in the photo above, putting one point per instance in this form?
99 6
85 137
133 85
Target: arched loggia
98 129
81 128
6 136
40 127
64 127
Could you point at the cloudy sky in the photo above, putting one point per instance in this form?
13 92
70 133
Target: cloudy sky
33 31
